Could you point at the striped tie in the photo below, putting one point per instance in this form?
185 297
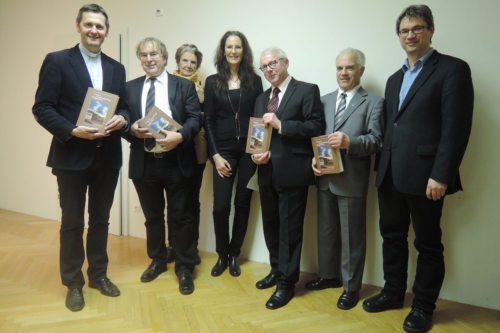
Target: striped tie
150 99
272 106
150 102
340 109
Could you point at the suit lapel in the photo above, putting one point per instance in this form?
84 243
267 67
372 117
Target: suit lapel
78 64
288 94
427 70
172 93
331 101
137 96
265 100
107 73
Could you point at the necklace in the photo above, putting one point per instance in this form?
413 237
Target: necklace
234 83
236 116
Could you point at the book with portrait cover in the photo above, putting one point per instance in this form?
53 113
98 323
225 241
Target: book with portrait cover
328 159
157 120
259 136
98 107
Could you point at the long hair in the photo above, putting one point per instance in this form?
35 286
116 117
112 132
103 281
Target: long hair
246 72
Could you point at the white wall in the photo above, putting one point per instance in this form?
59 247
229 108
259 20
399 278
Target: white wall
312 33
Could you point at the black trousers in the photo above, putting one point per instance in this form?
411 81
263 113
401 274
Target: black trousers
241 164
162 176
196 181
397 210
100 182
283 211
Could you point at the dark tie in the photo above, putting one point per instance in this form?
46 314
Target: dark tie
150 102
340 108
272 106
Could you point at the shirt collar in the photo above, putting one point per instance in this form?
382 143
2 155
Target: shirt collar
419 63
162 78
87 52
349 93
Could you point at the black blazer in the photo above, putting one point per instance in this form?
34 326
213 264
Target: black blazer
301 115
427 138
220 122
185 107
62 86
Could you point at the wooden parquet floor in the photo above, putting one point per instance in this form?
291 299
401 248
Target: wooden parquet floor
32 298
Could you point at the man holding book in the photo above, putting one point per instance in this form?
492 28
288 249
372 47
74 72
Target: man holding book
164 165
354 124
82 158
293 109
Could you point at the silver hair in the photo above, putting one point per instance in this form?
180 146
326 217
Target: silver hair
360 56
274 50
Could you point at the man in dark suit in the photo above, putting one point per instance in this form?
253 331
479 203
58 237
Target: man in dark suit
80 157
354 125
294 110
428 121
164 166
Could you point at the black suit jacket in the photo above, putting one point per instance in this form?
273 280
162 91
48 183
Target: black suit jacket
185 107
428 136
301 115
62 86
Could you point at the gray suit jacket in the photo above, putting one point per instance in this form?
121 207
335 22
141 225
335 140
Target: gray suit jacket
363 123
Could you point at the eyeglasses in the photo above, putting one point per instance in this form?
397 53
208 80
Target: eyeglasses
416 30
271 65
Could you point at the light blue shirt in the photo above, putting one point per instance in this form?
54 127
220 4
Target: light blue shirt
410 74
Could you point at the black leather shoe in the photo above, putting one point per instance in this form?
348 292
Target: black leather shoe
348 300
186 284
220 266
418 321
154 269
382 302
170 254
280 298
198 258
234 267
105 286
320 284
267 282
74 299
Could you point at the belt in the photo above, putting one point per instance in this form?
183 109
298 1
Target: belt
161 154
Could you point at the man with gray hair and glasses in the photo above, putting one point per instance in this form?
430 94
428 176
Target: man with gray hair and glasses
293 109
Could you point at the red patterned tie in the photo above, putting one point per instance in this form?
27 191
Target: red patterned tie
272 106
